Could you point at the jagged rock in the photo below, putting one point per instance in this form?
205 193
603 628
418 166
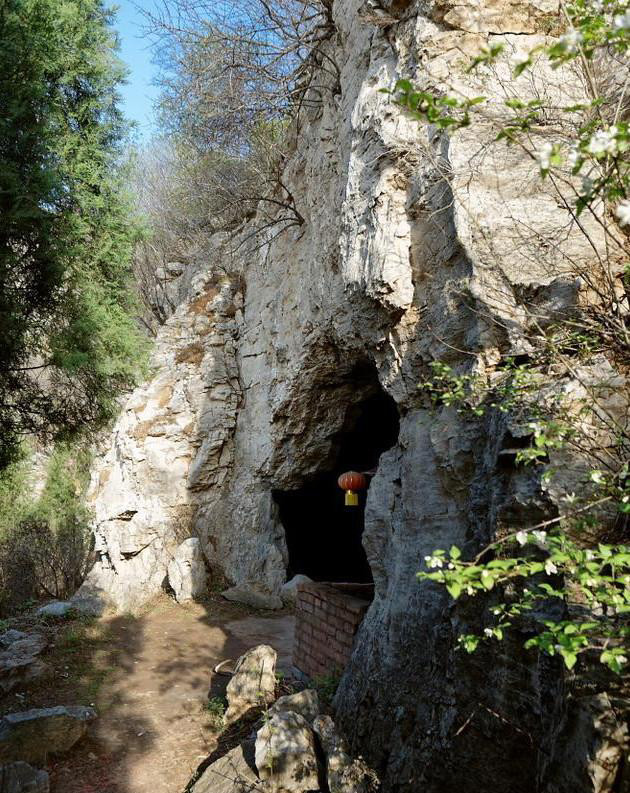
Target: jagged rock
253 683
22 778
286 758
58 608
235 772
250 596
187 571
288 593
344 774
32 734
306 703
19 662
10 636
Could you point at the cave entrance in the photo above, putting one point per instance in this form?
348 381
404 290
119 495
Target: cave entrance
323 535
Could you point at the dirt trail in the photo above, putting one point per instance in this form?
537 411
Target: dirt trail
153 730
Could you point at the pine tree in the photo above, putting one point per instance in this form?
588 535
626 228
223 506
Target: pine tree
68 339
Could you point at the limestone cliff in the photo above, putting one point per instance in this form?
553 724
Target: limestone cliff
258 369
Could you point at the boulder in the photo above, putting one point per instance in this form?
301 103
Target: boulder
235 772
288 593
22 778
19 662
251 596
344 774
285 754
32 734
253 683
58 608
187 571
306 703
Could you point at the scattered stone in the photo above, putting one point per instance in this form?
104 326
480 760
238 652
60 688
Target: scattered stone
90 603
285 754
58 608
23 778
10 636
344 774
235 772
19 662
306 703
253 597
187 571
288 593
33 734
253 683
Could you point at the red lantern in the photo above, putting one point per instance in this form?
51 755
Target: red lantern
352 481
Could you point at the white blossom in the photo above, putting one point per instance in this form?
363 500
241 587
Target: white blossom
433 561
540 536
543 155
573 157
622 213
488 631
521 537
621 659
571 41
604 141
622 21
550 567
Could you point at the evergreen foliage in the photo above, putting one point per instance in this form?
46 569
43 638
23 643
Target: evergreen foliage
70 343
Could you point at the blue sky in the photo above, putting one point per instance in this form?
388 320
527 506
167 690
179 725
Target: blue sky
139 94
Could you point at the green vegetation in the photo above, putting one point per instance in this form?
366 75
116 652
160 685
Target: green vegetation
568 575
215 707
70 342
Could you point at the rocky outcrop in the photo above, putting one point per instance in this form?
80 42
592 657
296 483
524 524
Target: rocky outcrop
187 571
286 757
23 778
235 772
413 249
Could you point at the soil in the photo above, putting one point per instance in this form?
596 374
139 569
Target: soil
150 677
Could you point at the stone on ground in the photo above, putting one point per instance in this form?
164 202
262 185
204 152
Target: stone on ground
235 772
285 754
32 734
187 571
19 661
288 593
344 774
306 703
251 596
58 608
23 778
253 683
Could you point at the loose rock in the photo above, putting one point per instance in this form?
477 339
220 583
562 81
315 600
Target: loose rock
33 734
253 683
19 662
344 774
235 772
187 571
285 754
23 778
288 593
58 608
306 703
252 597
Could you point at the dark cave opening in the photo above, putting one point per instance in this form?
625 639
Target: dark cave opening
323 535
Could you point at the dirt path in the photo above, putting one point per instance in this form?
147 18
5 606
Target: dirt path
150 678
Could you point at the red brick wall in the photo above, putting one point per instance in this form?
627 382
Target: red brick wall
327 618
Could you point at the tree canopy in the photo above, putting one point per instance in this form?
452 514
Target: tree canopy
70 343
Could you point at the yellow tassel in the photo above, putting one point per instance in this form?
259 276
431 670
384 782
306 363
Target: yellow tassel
352 499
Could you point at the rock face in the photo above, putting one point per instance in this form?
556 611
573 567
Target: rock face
285 754
253 683
272 349
305 703
33 734
23 778
187 571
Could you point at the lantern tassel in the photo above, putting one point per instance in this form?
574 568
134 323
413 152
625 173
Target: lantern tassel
352 499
